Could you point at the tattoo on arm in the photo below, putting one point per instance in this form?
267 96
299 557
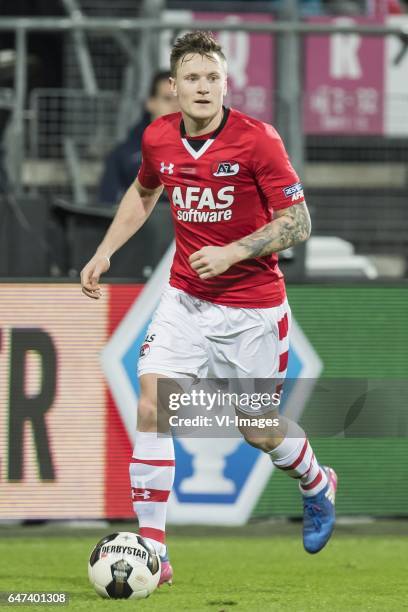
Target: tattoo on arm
289 227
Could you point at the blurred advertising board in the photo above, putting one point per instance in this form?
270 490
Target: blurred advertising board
356 84
68 379
64 452
52 402
396 80
344 82
353 84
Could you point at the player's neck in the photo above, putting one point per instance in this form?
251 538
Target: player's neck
200 127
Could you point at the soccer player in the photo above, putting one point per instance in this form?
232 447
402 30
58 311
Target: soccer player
236 201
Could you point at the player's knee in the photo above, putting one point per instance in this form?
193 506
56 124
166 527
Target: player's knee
146 414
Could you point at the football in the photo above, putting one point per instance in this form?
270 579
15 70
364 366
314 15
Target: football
124 566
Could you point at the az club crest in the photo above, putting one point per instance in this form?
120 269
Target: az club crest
225 168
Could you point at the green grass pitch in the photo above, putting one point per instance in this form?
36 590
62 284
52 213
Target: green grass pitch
257 568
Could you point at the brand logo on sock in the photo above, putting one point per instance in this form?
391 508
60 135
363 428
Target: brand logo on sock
145 494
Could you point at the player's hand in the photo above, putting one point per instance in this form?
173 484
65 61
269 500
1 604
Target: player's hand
91 274
211 261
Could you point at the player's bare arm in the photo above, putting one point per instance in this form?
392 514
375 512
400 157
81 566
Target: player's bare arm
134 209
289 227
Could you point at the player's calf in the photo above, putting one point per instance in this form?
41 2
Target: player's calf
261 431
294 455
151 475
147 414
151 468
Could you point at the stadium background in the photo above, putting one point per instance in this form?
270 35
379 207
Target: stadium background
66 97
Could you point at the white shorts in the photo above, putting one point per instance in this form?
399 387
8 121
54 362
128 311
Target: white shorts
189 337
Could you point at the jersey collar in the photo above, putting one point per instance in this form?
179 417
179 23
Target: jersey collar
207 142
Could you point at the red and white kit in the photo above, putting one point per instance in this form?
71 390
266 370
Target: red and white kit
219 193
221 187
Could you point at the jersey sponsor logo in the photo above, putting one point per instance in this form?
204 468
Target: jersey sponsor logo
203 205
169 168
292 189
225 168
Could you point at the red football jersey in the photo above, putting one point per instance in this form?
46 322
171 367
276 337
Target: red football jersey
223 191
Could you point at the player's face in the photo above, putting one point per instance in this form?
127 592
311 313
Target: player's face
200 85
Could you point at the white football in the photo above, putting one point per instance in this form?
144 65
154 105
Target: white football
124 566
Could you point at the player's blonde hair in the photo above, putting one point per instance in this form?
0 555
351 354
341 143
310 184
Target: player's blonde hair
200 42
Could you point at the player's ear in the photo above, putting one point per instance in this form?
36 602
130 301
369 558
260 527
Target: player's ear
173 86
225 86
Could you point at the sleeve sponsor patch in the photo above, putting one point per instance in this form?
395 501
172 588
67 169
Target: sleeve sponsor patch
295 191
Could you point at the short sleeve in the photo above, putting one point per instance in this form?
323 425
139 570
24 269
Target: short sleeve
147 175
273 171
